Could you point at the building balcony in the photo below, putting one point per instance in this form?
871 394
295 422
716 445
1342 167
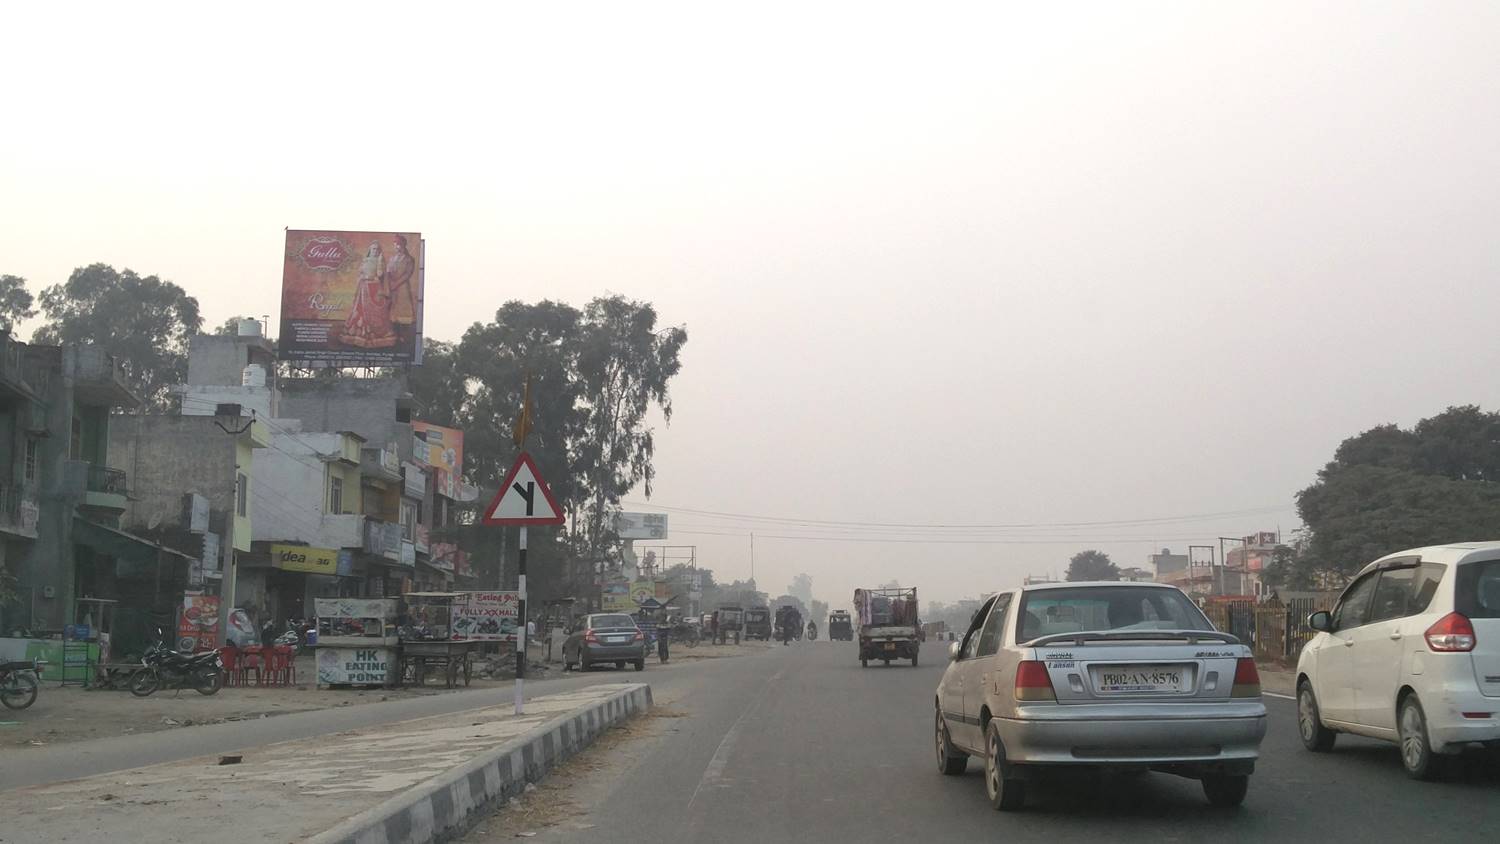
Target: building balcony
103 488
13 384
19 511
98 377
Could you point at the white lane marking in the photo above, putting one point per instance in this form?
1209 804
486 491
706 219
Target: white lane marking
715 769
1278 697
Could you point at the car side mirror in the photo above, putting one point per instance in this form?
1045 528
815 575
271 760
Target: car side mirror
1321 621
953 650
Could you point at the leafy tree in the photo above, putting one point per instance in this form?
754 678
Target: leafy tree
1388 489
1092 565
819 612
144 321
802 587
16 303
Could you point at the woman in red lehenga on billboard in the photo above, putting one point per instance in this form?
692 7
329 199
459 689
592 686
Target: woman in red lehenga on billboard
369 322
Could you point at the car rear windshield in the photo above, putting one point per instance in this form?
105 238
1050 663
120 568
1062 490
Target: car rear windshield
601 621
1098 609
1477 591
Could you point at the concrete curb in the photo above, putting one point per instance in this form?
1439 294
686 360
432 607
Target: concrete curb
442 808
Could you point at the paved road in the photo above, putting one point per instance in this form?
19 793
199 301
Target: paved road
801 744
36 766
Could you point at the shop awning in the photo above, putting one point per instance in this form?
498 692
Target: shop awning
123 546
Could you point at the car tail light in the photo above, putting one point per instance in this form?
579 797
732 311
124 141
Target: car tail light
1452 633
1246 679
639 635
1033 682
591 637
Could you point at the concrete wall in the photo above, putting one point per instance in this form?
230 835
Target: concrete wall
290 492
367 406
217 361
165 458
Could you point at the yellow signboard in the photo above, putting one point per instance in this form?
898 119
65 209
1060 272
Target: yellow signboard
303 558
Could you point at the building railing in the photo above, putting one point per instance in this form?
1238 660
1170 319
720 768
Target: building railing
106 480
18 509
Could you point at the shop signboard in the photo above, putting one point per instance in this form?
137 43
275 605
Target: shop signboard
408 553
415 479
487 616
305 559
210 552
643 590
346 563
443 450
616 596
355 666
641 525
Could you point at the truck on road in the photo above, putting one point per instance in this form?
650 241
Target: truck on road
840 627
887 624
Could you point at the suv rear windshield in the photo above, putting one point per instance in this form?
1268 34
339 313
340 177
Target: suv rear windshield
601 621
1477 591
1090 609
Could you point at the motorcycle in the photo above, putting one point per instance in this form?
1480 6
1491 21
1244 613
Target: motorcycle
812 633
161 666
19 682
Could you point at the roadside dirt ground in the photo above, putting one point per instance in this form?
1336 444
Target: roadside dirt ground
69 713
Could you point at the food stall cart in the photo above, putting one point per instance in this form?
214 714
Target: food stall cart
430 640
357 644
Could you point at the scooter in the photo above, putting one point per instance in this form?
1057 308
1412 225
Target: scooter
161 666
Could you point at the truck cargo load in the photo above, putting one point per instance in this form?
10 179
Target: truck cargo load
887 623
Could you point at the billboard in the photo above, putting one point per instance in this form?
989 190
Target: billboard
641 525
443 450
351 298
616 596
487 616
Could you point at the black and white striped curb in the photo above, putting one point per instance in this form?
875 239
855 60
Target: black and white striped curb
444 807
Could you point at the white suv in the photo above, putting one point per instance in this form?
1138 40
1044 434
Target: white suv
1411 654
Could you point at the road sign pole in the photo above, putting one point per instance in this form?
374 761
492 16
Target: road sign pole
521 627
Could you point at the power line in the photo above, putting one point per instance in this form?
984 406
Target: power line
789 522
948 541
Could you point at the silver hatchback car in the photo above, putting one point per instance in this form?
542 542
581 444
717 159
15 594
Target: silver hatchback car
1113 675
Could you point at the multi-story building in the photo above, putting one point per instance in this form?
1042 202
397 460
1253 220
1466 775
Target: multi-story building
61 501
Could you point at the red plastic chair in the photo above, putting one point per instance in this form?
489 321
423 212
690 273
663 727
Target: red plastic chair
231 656
279 669
251 658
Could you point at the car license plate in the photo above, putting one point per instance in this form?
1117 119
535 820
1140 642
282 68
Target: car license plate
1136 679
890 646
616 640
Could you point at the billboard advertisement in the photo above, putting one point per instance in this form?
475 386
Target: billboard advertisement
641 525
351 298
198 623
487 616
443 450
616 596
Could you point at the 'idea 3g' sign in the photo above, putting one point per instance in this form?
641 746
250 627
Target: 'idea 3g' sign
303 558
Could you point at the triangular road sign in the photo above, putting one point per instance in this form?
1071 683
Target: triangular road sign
524 498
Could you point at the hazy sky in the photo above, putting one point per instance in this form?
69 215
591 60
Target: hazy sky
940 264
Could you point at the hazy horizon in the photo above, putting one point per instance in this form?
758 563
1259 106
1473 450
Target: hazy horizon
1030 268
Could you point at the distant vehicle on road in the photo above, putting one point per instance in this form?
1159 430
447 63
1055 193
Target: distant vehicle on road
758 623
603 638
840 626
888 625
1109 675
731 623
1411 655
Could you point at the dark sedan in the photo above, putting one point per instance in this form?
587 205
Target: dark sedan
603 638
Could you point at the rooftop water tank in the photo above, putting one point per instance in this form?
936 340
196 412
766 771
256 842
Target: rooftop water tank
249 328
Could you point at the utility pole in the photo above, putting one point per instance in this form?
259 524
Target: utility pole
752 558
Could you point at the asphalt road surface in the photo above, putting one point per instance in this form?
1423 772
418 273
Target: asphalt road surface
801 744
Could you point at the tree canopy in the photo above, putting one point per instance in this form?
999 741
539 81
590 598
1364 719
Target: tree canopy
1389 488
16 303
1092 565
144 321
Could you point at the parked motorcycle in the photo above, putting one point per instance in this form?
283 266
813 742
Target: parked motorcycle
19 682
163 667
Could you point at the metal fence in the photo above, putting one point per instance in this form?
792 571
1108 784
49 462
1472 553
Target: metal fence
1275 631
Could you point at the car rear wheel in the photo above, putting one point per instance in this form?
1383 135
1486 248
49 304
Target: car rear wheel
640 665
1417 756
950 762
1226 790
1006 791
1315 736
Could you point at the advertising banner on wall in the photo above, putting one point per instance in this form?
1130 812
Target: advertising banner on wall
198 623
616 596
487 616
351 298
443 450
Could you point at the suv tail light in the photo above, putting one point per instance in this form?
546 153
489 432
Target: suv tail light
1033 682
1246 679
1452 633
